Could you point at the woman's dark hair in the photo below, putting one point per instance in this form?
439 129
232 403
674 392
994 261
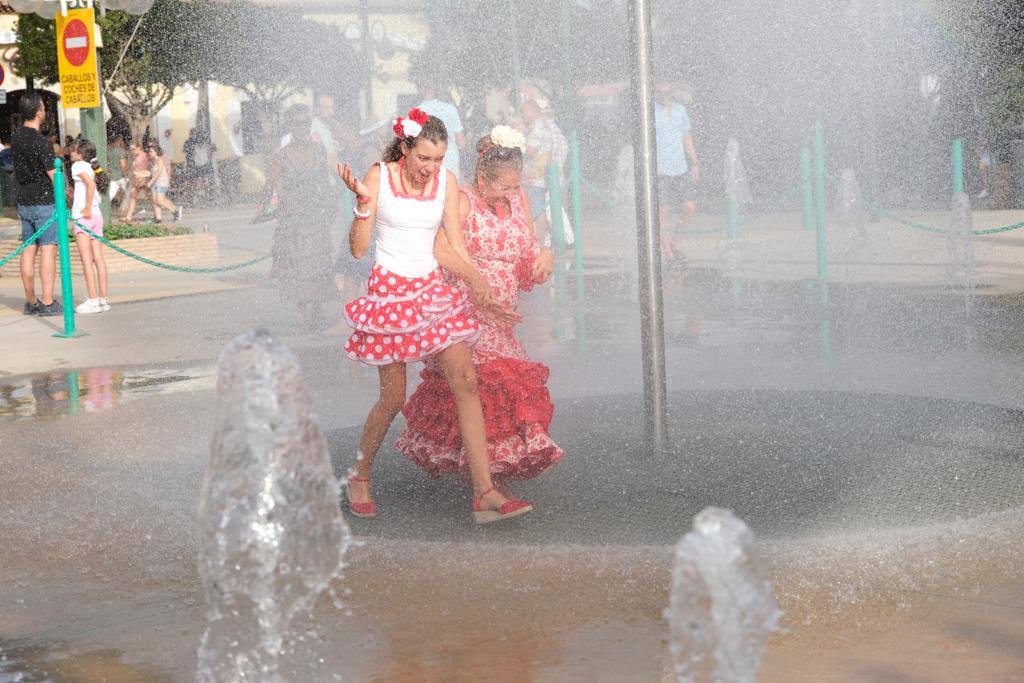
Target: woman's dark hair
493 159
298 118
433 130
88 151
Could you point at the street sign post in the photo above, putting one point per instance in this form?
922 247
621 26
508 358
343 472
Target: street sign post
76 58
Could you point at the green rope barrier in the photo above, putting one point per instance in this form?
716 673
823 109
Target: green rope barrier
26 243
886 213
596 192
168 266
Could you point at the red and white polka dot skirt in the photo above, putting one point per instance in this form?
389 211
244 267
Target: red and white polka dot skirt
404 320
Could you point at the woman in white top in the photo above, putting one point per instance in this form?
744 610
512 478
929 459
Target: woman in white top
409 312
90 182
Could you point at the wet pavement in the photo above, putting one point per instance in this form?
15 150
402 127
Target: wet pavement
878 457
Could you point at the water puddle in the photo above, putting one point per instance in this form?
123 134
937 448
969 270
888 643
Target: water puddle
94 390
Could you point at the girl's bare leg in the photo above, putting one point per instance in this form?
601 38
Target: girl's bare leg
85 253
101 267
133 197
388 405
155 198
462 380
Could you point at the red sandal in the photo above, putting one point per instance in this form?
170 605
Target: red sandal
365 510
512 507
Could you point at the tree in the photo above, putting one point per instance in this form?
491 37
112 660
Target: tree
270 54
273 54
159 57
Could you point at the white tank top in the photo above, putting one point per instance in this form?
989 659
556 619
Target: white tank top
406 226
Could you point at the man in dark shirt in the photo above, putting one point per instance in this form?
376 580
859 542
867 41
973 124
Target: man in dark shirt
33 182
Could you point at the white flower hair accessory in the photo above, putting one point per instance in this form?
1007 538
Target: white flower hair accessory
506 136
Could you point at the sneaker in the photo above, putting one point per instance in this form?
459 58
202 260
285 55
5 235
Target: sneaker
31 308
104 304
89 306
177 214
51 309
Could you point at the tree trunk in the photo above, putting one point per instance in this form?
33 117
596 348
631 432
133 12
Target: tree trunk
138 117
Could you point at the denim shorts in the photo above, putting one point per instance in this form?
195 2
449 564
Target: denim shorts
538 200
161 189
33 217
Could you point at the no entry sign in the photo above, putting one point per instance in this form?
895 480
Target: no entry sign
76 42
76 58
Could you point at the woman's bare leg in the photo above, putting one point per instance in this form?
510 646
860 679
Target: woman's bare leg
85 253
458 368
388 405
100 262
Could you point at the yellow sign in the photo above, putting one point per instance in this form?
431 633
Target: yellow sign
76 57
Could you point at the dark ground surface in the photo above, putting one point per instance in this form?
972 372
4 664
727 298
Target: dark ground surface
789 463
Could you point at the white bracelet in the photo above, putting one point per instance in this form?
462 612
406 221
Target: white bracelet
355 212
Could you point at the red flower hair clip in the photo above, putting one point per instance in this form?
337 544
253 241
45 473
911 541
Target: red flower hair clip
419 116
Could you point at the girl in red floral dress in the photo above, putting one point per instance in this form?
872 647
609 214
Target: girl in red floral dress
409 312
499 235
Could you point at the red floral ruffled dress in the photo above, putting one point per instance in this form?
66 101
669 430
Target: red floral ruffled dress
410 311
516 402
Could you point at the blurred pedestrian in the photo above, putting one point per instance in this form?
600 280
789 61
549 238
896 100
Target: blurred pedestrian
117 168
90 182
495 216
320 129
203 158
984 152
677 179
301 249
449 115
160 184
545 145
33 178
139 177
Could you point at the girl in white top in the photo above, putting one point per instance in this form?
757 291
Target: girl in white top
90 181
409 312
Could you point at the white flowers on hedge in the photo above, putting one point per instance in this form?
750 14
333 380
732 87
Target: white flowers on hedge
506 136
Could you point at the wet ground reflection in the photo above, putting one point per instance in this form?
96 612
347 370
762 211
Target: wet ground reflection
92 390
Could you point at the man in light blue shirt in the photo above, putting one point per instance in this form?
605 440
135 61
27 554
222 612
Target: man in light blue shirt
677 179
449 116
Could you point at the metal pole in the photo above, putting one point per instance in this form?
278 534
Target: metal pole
958 165
825 328
60 220
808 188
557 243
652 323
517 72
369 54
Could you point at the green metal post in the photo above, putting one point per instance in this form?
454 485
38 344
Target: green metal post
808 188
577 199
61 223
958 165
557 242
732 219
819 186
